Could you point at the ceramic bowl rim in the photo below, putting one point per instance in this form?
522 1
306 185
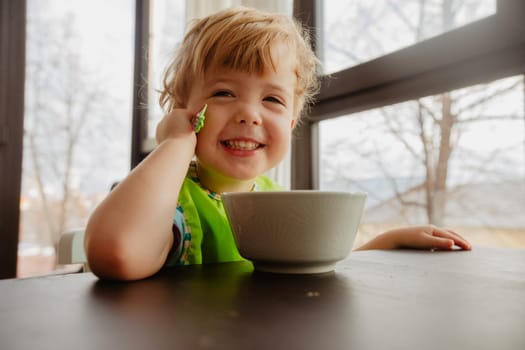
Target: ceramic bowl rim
295 192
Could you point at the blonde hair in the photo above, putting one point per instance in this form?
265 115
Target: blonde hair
240 39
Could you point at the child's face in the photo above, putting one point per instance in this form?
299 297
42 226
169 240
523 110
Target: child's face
249 119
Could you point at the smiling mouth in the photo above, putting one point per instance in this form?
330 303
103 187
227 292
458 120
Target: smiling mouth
242 145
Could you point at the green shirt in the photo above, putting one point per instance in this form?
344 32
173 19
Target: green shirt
202 233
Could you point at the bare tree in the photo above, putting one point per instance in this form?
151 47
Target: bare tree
428 129
64 105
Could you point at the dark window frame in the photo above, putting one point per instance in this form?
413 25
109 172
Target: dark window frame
12 81
139 123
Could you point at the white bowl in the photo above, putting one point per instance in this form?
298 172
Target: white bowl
299 231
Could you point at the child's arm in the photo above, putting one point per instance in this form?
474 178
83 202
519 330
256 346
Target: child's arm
129 235
418 237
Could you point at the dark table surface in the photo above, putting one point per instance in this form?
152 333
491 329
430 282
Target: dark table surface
374 300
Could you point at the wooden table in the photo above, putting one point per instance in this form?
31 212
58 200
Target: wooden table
375 300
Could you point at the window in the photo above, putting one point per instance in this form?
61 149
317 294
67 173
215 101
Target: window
94 73
77 118
473 182
362 30
361 132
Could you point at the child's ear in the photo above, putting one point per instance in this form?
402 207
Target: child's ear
292 123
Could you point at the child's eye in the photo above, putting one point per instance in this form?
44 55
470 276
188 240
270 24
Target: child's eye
222 93
274 99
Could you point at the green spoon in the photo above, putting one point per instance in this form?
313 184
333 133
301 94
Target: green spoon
198 120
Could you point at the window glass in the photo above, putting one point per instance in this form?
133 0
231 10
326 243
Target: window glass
167 25
456 160
355 31
79 64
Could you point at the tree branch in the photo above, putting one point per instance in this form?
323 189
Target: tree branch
489 97
489 118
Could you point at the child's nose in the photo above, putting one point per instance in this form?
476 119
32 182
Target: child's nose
249 115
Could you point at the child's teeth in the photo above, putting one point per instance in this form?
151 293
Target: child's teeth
242 145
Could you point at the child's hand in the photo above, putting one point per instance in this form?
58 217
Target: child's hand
418 237
176 124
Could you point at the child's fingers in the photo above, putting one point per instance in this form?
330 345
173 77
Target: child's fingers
450 235
460 240
441 242
174 124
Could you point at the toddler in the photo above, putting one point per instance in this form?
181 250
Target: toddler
255 72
